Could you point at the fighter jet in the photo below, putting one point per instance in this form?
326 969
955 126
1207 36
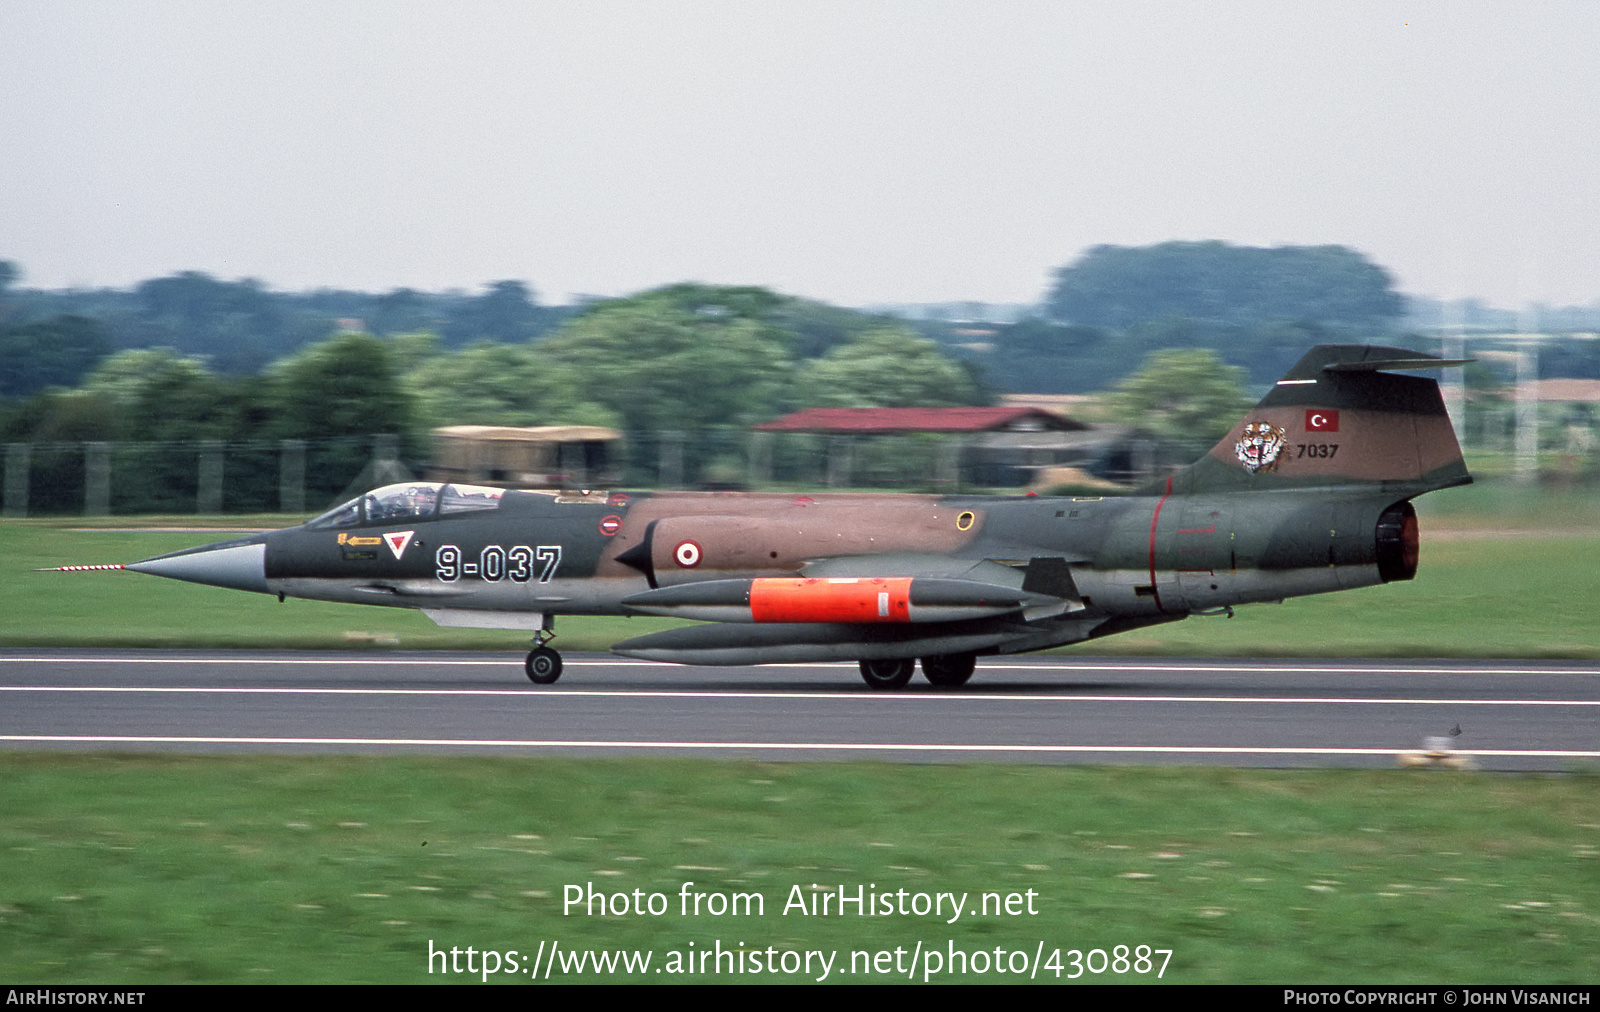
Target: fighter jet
1310 492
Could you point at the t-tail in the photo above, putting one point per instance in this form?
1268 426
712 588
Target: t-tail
1341 419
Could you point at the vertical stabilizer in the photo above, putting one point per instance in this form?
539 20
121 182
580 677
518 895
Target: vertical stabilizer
1341 418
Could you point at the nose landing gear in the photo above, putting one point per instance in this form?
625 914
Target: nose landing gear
543 664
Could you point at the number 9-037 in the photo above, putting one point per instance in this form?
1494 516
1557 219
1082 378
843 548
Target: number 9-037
518 563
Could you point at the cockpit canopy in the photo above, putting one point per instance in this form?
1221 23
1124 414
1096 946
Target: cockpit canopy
411 500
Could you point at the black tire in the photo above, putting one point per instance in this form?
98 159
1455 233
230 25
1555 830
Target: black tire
543 666
893 673
949 671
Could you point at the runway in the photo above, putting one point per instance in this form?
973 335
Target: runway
1049 709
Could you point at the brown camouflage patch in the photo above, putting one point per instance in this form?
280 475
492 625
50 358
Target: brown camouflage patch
755 535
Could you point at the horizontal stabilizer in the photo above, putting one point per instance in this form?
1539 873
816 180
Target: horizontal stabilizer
1396 364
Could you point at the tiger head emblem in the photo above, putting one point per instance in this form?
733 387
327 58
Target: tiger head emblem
1258 447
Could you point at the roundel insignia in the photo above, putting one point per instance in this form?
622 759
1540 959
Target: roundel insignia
617 499
610 525
966 520
687 554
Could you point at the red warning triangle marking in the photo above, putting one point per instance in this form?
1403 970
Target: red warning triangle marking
397 541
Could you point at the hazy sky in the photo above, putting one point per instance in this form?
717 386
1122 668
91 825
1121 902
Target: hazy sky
854 152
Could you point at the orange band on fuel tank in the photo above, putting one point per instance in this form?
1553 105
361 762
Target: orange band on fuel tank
866 600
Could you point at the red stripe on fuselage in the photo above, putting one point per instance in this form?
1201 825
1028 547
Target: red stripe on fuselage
1155 518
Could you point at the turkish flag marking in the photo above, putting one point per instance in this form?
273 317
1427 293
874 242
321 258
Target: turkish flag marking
1322 420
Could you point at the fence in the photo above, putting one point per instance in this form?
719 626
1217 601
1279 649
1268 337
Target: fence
299 476
205 476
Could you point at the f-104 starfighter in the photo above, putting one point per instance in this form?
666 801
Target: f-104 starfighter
1310 492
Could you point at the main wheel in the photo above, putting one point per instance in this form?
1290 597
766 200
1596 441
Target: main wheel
543 666
888 674
948 671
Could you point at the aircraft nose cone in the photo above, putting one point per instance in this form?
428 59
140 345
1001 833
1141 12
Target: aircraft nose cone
240 565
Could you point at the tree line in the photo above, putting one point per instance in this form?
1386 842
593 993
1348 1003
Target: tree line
1101 316
684 356
1104 313
687 358
190 357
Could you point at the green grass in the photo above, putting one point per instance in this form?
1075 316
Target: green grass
1480 592
1505 506
149 869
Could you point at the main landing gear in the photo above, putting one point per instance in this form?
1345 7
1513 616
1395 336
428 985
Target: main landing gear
943 671
949 671
888 674
543 664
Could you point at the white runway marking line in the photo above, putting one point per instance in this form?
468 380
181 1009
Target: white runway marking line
777 745
876 697
1355 667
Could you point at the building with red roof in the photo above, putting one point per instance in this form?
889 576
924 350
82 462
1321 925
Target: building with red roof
1007 446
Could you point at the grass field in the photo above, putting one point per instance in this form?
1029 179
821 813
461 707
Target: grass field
345 869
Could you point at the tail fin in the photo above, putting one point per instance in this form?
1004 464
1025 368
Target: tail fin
1338 420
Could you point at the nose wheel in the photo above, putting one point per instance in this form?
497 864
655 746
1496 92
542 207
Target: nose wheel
544 663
